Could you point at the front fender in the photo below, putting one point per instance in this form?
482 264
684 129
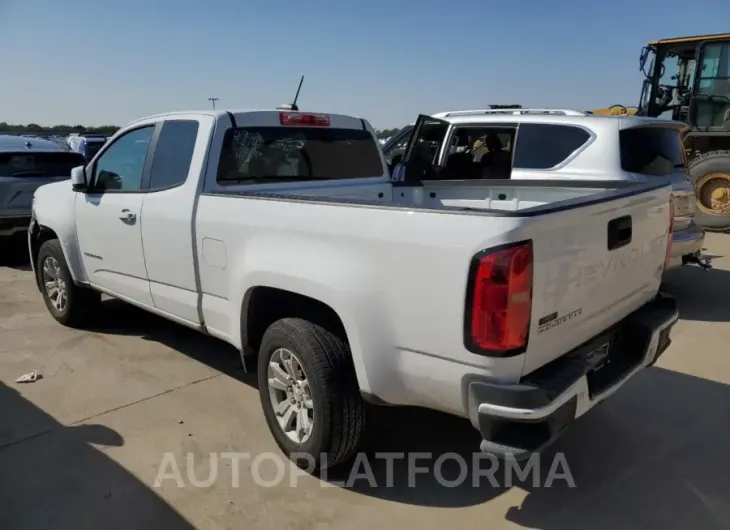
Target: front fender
334 277
54 209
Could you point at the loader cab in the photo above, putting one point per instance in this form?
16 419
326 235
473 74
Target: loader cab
688 80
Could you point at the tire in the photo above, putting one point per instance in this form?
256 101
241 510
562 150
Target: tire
337 409
712 162
81 303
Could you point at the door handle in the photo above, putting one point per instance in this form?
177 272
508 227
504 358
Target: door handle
127 215
620 232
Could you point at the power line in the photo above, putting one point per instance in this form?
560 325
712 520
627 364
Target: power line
213 100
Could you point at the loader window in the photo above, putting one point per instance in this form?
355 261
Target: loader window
655 151
712 104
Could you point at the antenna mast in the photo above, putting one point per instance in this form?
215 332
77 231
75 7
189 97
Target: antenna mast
296 97
293 105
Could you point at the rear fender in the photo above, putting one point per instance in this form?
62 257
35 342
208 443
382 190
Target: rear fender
333 278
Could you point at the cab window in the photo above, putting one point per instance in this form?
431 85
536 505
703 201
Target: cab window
546 146
395 148
120 167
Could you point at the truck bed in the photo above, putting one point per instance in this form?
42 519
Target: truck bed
507 198
396 261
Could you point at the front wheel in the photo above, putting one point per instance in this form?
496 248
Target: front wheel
711 176
68 303
309 394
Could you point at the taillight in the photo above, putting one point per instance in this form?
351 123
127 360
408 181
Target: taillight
499 300
670 237
302 119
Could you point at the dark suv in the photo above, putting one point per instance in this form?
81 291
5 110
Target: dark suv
25 164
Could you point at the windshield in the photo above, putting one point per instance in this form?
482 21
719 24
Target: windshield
281 154
39 164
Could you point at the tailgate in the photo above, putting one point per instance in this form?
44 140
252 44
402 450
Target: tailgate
593 266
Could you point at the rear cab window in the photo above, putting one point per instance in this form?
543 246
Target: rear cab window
653 151
39 164
294 153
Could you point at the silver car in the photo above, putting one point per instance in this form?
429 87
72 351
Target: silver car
553 144
25 164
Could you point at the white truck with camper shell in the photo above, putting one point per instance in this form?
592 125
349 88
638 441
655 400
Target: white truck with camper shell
516 304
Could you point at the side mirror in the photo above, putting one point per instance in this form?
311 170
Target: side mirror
642 58
78 179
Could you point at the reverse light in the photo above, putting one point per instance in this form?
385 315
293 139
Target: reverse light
499 300
670 237
303 119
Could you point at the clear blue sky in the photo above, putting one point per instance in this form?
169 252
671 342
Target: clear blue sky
102 61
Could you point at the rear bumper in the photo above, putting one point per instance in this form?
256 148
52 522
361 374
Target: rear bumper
686 243
14 224
520 419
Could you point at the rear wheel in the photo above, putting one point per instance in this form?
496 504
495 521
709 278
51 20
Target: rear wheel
68 303
711 175
309 393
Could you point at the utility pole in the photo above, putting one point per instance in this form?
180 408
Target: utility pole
213 100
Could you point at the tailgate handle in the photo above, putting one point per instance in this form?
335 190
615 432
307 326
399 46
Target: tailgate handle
619 232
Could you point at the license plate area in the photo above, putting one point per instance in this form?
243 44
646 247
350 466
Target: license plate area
617 355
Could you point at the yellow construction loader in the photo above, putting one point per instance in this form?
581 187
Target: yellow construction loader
688 79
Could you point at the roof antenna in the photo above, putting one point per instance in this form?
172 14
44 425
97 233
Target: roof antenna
293 106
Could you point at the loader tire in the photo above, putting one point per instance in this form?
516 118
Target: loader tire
711 176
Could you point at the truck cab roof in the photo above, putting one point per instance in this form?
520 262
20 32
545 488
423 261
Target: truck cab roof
267 117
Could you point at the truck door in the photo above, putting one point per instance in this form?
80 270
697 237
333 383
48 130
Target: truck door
422 152
108 217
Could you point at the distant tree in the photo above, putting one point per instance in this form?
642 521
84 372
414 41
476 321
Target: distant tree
386 133
34 128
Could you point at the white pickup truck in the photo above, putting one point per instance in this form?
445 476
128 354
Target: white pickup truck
518 305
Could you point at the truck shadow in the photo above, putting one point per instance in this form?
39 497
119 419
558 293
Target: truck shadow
120 318
51 476
649 457
654 455
14 253
702 295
